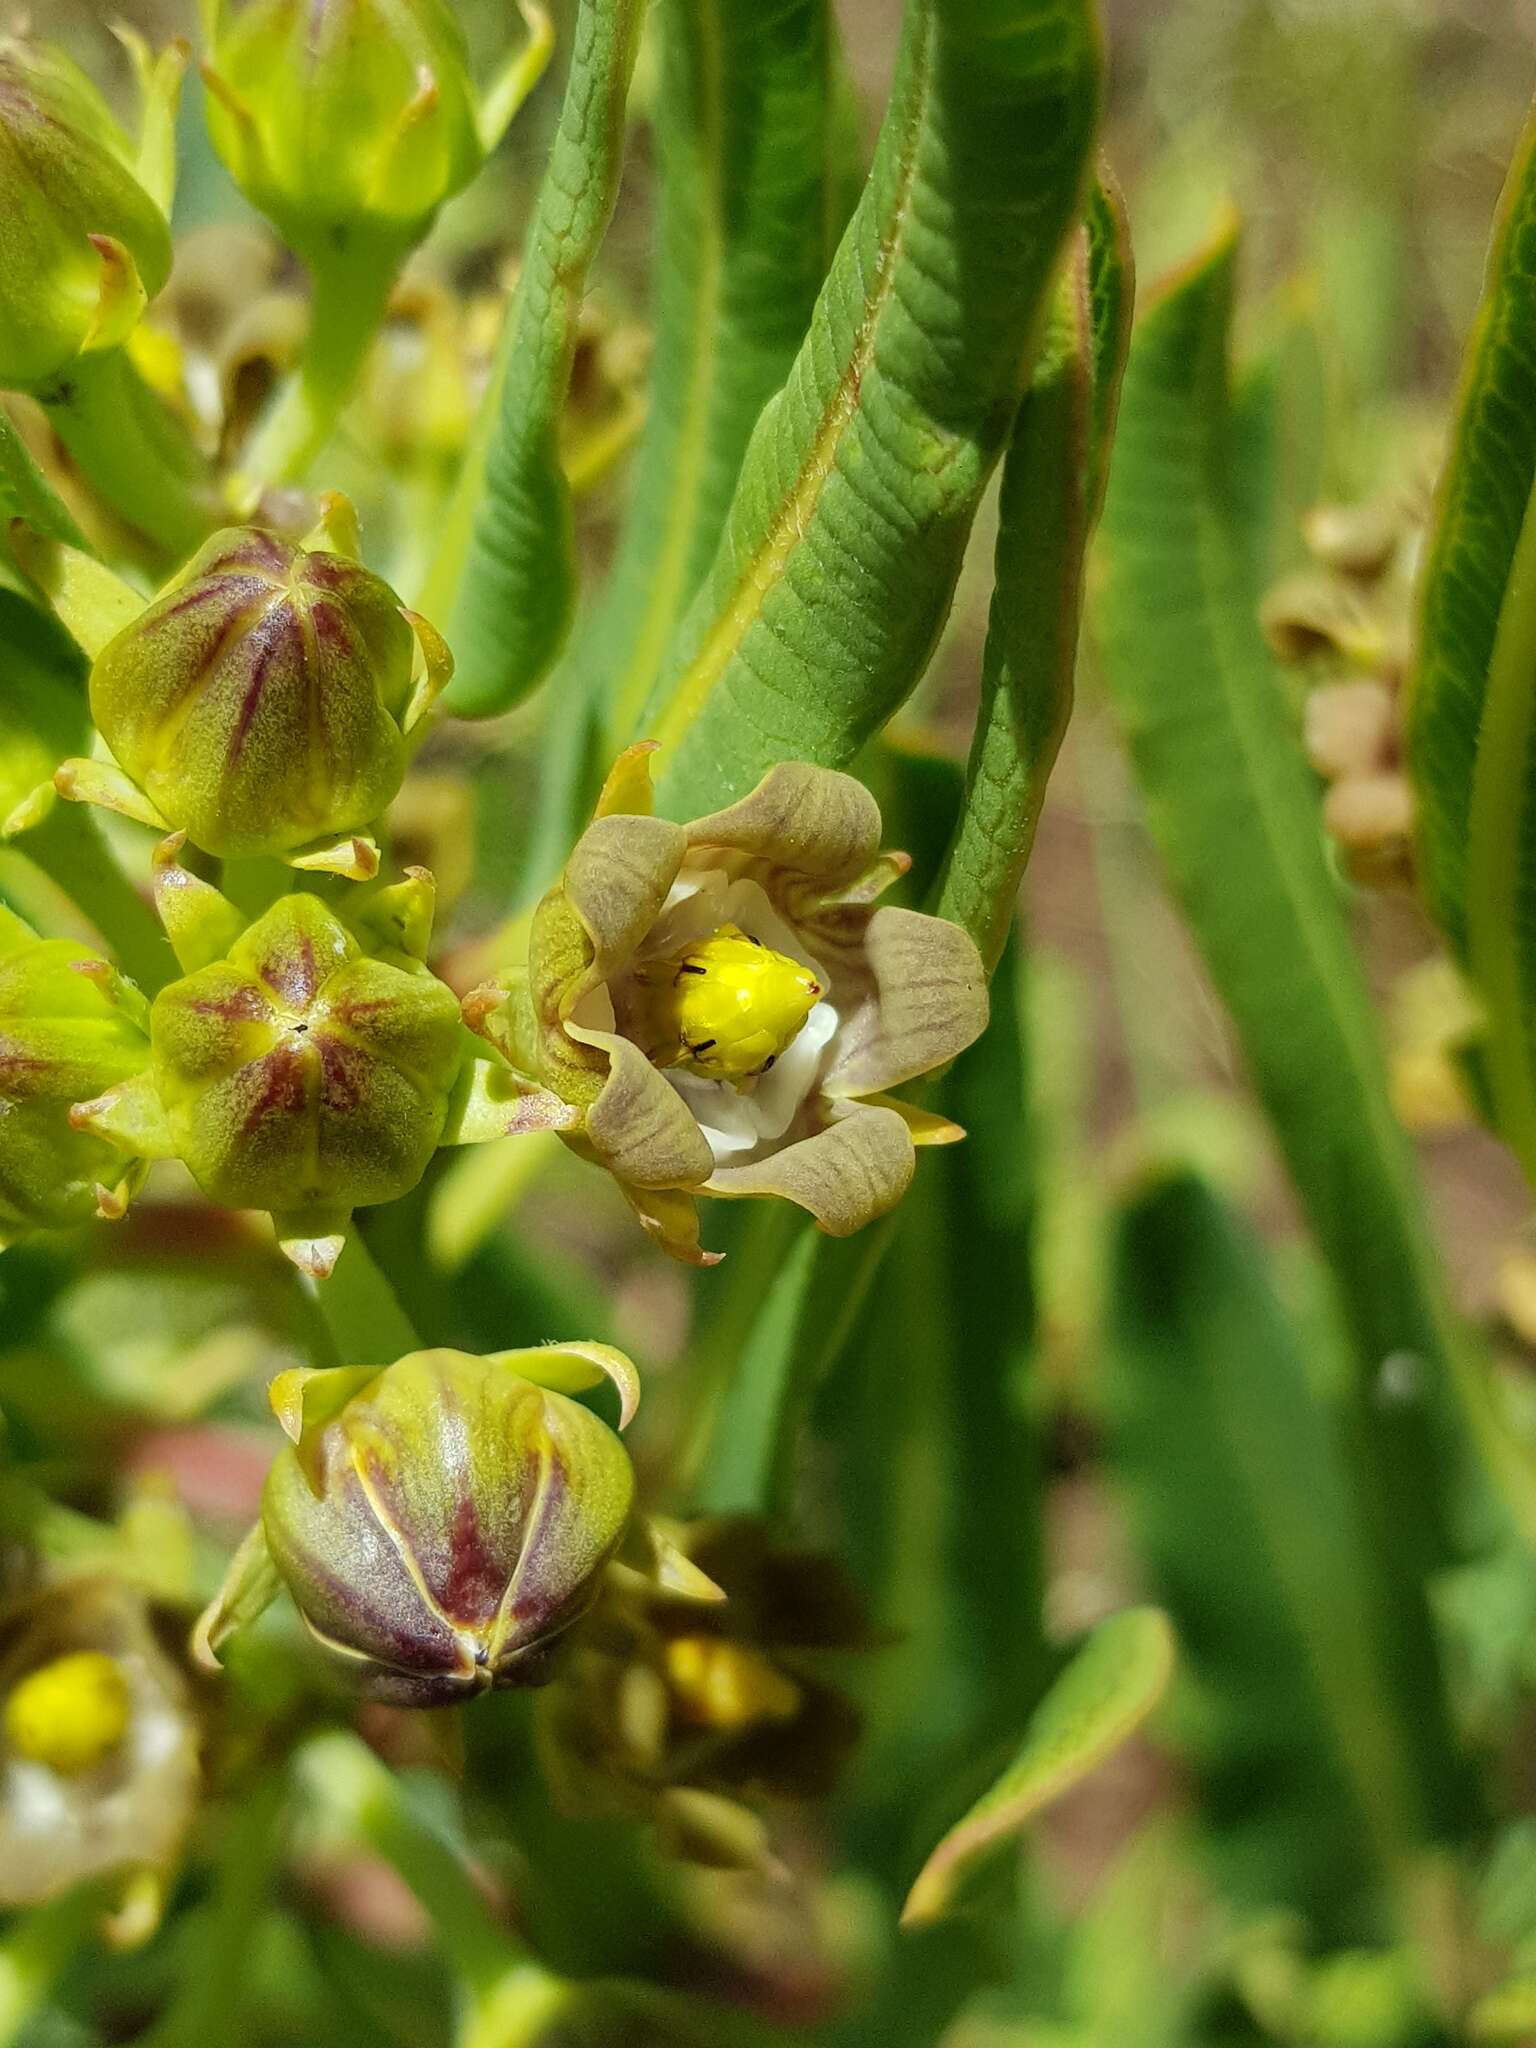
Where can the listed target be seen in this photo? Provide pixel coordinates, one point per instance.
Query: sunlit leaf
(857, 493)
(1234, 812)
(513, 587)
(750, 197)
(1100, 1700)
(1052, 488)
(1472, 723)
(25, 493)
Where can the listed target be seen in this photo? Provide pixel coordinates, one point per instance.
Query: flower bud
(261, 702)
(343, 117)
(691, 1716)
(85, 244)
(301, 1074)
(70, 1026)
(441, 1522)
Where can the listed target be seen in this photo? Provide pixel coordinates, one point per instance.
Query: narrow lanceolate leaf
(1053, 478)
(1100, 1700)
(750, 211)
(25, 493)
(1239, 1502)
(845, 534)
(1234, 812)
(1472, 700)
(517, 589)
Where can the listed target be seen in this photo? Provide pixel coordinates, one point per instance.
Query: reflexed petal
(920, 996)
(856, 1169)
(639, 1126)
(813, 823)
(617, 880)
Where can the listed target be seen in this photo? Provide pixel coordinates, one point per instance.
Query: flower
(718, 1007)
(441, 1522)
(343, 118)
(692, 1717)
(304, 1065)
(70, 1025)
(263, 702)
(98, 1746)
(86, 244)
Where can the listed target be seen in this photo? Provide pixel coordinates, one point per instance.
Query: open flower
(441, 1522)
(262, 703)
(70, 1025)
(695, 1717)
(719, 1007)
(304, 1064)
(98, 1746)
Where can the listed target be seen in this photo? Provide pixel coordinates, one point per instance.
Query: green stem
(207, 2004)
(68, 846)
(370, 1804)
(134, 453)
(37, 1951)
(352, 284)
(361, 1311)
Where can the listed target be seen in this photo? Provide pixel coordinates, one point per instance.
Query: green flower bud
(86, 246)
(300, 1075)
(261, 702)
(70, 1026)
(441, 1522)
(340, 118)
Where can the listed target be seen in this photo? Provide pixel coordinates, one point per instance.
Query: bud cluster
(1345, 624)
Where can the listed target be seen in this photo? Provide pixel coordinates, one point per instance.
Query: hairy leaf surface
(751, 198)
(845, 534)
(512, 605)
(1052, 488)
(1472, 701)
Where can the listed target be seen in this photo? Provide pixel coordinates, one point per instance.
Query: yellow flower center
(724, 1685)
(69, 1714)
(724, 1007)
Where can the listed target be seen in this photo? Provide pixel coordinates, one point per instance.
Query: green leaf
(27, 494)
(511, 606)
(1234, 812)
(1100, 1700)
(1052, 489)
(751, 194)
(1239, 1502)
(1472, 699)
(845, 534)
(800, 1322)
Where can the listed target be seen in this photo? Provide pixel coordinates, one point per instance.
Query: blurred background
(1363, 143)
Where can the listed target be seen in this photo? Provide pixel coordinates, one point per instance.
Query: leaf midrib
(788, 525)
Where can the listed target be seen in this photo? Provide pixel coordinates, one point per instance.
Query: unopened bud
(261, 702)
(85, 244)
(446, 1524)
(342, 118)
